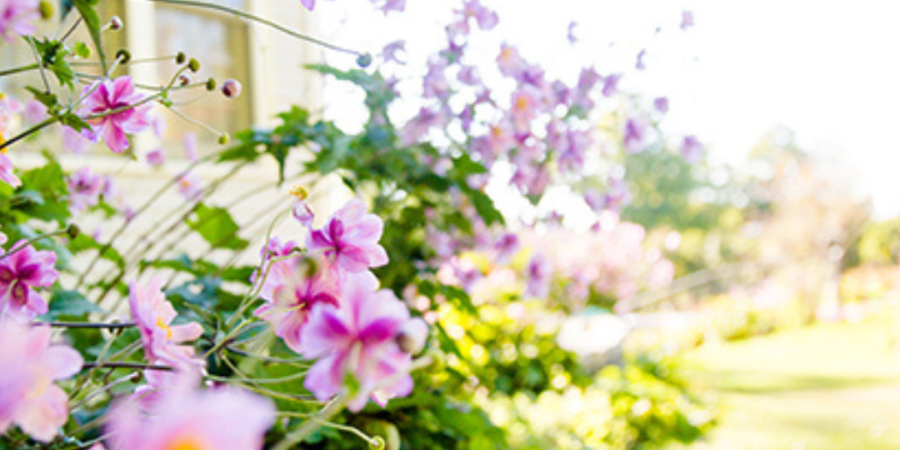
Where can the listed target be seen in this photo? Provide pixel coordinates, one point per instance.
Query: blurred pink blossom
(350, 239)
(153, 315)
(84, 188)
(110, 95)
(16, 17)
(20, 273)
(28, 396)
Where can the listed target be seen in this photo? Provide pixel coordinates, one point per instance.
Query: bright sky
(827, 70)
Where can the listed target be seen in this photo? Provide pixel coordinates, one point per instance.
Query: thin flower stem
(196, 122)
(258, 19)
(40, 63)
(71, 30)
(104, 388)
(16, 70)
(87, 325)
(271, 359)
(126, 365)
(31, 241)
(313, 424)
(47, 122)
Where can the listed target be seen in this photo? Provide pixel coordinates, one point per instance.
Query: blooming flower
(611, 85)
(358, 340)
(16, 17)
(84, 188)
(20, 273)
(111, 95)
(153, 315)
(350, 239)
(190, 186)
(187, 418)
(661, 104)
(538, 272)
(28, 396)
(472, 9)
(635, 135)
(292, 288)
(6, 170)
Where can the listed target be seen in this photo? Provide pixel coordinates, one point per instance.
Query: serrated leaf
(82, 50)
(74, 122)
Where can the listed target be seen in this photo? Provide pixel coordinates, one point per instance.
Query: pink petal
(114, 137)
(42, 417)
(62, 362)
(187, 332)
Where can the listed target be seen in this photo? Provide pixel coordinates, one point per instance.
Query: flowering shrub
(213, 352)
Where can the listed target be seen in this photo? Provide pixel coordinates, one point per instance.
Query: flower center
(162, 325)
(186, 443)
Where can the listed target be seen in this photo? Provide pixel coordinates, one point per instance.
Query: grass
(824, 387)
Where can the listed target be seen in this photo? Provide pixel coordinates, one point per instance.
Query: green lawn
(825, 387)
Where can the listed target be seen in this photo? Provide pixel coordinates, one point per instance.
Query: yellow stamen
(161, 324)
(300, 192)
(186, 443)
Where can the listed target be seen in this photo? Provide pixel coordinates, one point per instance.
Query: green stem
(47, 122)
(313, 424)
(31, 241)
(125, 365)
(258, 19)
(87, 325)
(16, 70)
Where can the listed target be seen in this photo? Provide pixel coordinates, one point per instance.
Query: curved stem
(258, 19)
(28, 242)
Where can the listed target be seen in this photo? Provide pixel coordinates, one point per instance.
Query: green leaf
(74, 122)
(484, 206)
(85, 242)
(217, 227)
(48, 99)
(69, 303)
(82, 50)
(92, 22)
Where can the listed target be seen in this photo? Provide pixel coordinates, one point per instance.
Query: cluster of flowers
(324, 303)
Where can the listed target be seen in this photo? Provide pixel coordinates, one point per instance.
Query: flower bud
(46, 9)
(180, 58)
(184, 79)
(364, 60)
(412, 336)
(194, 65)
(115, 23)
(73, 230)
(231, 88)
(224, 138)
(211, 84)
(124, 56)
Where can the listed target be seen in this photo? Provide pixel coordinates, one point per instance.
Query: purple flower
(276, 248)
(389, 53)
(611, 85)
(570, 35)
(190, 186)
(16, 17)
(691, 149)
(687, 19)
(639, 63)
(84, 188)
(156, 157)
(75, 142)
(435, 84)
(190, 146)
(393, 5)
(110, 95)
(6, 171)
(538, 273)
(485, 18)
(634, 135)
(20, 273)
(357, 340)
(350, 239)
(661, 104)
(509, 61)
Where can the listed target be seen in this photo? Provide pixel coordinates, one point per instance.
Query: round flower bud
(46, 9)
(124, 56)
(223, 139)
(194, 65)
(73, 230)
(211, 84)
(180, 58)
(231, 88)
(412, 336)
(115, 23)
(364, 60)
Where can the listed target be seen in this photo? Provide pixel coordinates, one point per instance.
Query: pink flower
(6, 170)
(509, 61)
(75, 142)
(691, 149)
(635, 135)
(309, 4)
(84, 188)
(190, 186)
(276, 248)
(485, 18)
(291, 291)
(35, 111)
(611, 85)
(539, 271)
(190, 146)
(350, 239)
(112, 95)
(28, 396)
(16, 17)
(661, 104)
(153, 315)
(156, 157)
(358, 340)
(20, 273)
(185, 417)
(393, 5)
